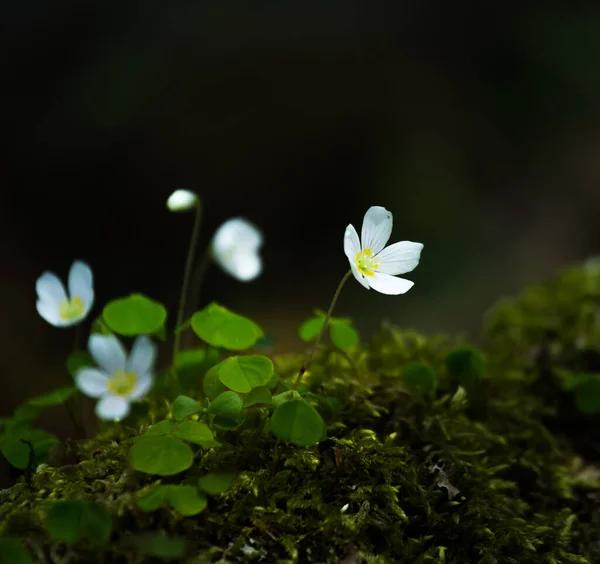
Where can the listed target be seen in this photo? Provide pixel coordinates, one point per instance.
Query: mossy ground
(496, 472)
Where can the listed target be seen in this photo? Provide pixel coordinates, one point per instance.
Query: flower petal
(236, 233)
(112, 408)
(92, 382)
(50, 289)
(351, 243)
(108, 352)
(390, 285)
(376, 229)
(81, 285)
(362, 279)
(51, 313)
(242, 264)
(399, 258)
(142, 386)
(142, 356)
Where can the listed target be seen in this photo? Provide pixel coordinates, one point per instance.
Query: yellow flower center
(71, 309)
(122, 383)
(365, 263)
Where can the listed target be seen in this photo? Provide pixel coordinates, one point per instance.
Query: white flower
(55, 306)
(119, 380)
(235, 248)
(375, 266)
(182, 201)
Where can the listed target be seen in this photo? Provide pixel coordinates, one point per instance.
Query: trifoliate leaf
(419, 375)
(587, 397)
(242, 373)
(288, 395)
(297, 422)
(134, 315)
(216, 483)
(163, 427)
(195, 432)
(227, 405)
(309, 330)
(186, 500)
(227, 423)
(212, 385)
(12, 551)
(55, 397)
(220, 327)
(160, 455)
(153, 499)
(156, 544)
(343, 335)
(15, 451)
(69, 520)
(184, 406)
(260, 395)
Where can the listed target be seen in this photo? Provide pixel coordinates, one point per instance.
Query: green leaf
(13, 552)
(212, 385)
(242, 373)
(227, 405)
(77, 360)
(343, 335)
(69, 520)
(297, 422)
(260, 395)
(288, 395)
(16, 452)
(220, 327)
(215, 484)
(186, 500)
(55, 397)
(155, 544)
(184, 406)
(134, 315)
(587, 397)
(27, 412)
(195, 432)
(227, 423)
(419, 375)
(163, 427)
(309, 330)
(152, 500)
(467, 365)
(161, 455)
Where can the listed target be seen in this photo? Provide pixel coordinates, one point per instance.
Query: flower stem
(313, 349)
(187, 273)
(197, 279)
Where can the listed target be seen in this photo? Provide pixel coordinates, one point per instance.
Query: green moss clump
(465, 472)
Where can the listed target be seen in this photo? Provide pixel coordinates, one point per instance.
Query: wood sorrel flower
(119, 380)
(375, 266)
(55, 306)
(182, 201)
(235, 247)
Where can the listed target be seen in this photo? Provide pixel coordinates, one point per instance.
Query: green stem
(313, 349)
(187, 273)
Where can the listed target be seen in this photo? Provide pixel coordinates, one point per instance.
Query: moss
(480, 474)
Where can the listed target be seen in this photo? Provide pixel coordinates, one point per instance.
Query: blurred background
(476, 124)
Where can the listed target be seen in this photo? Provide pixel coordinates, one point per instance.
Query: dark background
(476, 124)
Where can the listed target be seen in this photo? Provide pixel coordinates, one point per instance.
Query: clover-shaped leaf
(184, 406)
(220, 327)
(69, 520)
(134, 315)
(242, 373)
(163, 455)
(297, 422)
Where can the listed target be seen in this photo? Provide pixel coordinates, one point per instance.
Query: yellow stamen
(122, 383)
(71, 309)
(365, 263)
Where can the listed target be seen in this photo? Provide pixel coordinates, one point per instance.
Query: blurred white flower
(182, 201)
(375, 266)
(55, 306)
(119, 380)
(235, 247)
